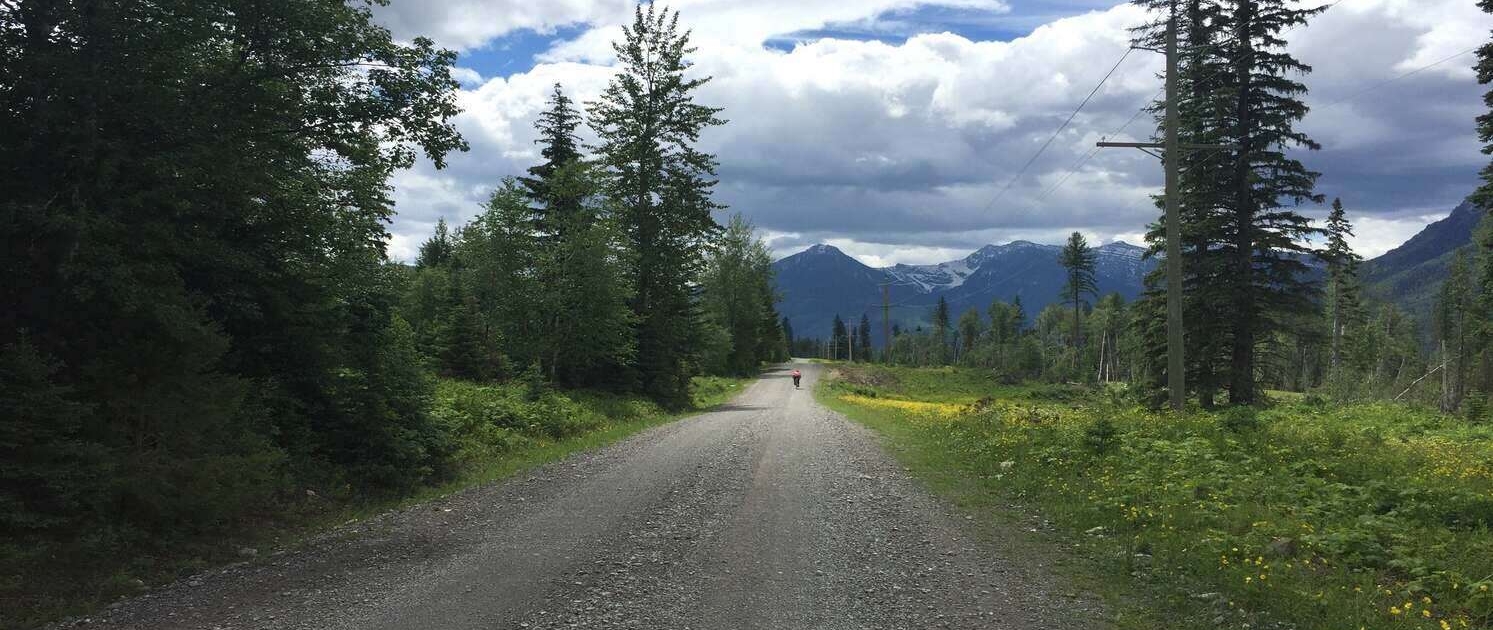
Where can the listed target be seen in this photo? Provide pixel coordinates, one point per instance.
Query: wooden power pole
(1176, 366)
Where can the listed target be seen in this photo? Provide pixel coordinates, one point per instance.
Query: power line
(1090, 155)
(1085, 159)
(1055, 134)
(1396, 78)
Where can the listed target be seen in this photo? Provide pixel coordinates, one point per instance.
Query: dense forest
(1273, 299)
(202, 323)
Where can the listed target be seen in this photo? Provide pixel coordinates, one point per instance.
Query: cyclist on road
(796, 375)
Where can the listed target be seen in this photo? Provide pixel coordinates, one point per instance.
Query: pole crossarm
(1162, 145)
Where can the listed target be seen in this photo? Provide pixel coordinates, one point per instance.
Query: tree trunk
(1242, 360)
(1448, 405)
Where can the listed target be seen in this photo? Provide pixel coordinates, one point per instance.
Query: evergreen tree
(970, 329)
(839, 338)
(787, 327)
(1018, 317)
(466, 348)
(560, 206)
(1203, 106)
(500, 251)
(941, 331)
(1481, 314)
(863, 338)
(584, 326)
(439, 250)
(1243, 245)
(1454, 306)
(1483, 197)
(1267, 272)
(1342, 279)
(648, 125)
(1000, 322)
(1079, 260)
(423, 308)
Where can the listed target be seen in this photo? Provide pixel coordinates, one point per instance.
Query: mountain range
(821, 282)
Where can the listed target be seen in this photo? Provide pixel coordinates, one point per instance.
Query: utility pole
(886, 320)
(1176, 365)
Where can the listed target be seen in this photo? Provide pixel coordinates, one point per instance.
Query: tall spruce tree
(863, 338)
(1343, 295)
(559, 205)
(838, 338)
(1079, 261)
(941, 322)
(583, 323)
(1482, 313)
(1267, 269)
(1243, 240)
(439, 249)
(648, 124)
(1484, 195)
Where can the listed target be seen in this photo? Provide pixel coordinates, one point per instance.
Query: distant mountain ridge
(821, 282)
(1411, 275)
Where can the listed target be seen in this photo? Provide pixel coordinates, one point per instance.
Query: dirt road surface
(768, 512)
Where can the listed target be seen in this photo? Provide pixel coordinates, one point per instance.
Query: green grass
(1304, 514)
(500, 431)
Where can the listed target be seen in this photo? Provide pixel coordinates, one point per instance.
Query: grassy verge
(1303, 515)
(497, 430)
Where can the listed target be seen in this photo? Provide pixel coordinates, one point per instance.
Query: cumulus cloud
(468, 24)
(897, 150)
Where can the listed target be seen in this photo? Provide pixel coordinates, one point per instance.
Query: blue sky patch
(514, 53)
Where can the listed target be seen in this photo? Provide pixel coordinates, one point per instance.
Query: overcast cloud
(890, 127)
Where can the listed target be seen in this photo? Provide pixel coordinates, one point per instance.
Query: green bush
(1239, 419)
(1101, 436)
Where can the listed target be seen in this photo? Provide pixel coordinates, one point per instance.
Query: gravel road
(769, 512)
